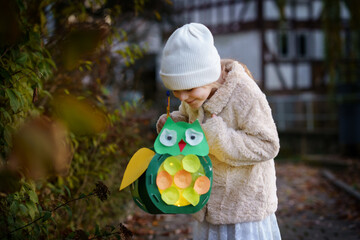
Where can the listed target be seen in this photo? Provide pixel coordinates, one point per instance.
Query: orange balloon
(163, 180)
(202, 185)
(182, 179)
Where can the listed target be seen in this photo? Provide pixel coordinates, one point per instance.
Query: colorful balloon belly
(150, 198)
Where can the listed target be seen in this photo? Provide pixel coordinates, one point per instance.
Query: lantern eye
(193, 137)
(168, 137)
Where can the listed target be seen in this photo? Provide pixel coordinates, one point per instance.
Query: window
(293, 44)
(301, 44)
(284, 44)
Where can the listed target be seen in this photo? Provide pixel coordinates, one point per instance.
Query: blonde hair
(247, 70)
(224, 72)
(215, 84)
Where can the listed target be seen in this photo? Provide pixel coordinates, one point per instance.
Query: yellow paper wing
(136, 166)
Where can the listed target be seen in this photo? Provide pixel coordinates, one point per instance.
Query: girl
(239, 128)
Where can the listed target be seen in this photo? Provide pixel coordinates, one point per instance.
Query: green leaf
(67, 190)
(53, 220)
(32, 209)
(22, 58)
(46, 216)
(8, 135)
(47, 93)
(14, 102)
(21, 5)
(51, 62)
(71, 235)
(22, 208)
(33, 196)
(4, 74)
(19, 97)
(68, 209)
(82, 195)
(10, 220)
(80, 98)
(6, 115)
(97, 230)
(14, 207)
(39, 208)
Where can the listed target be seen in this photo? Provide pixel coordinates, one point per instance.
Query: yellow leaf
(157, 15)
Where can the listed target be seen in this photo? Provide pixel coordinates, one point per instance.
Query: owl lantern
(177, 177)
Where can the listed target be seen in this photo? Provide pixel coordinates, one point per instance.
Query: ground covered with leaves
(310, 207)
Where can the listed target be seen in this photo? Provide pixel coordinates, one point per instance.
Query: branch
(4, 52)
(53, 210)
(72, 200)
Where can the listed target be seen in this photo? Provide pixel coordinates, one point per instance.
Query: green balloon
(170, 196)
(191, 196)
(191, 163)
(172, 165)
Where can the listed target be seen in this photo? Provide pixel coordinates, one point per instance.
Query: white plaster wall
(244, 47)
(272, 79)
(318, 52)
(288, 12)
(225, 15)
(271, 11)
(251, 14)
(317, 7)
(303, 72)
(302, 12)
(271, 41)
(344, 12)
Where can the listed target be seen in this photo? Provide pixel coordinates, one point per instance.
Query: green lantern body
(177, 177)
(147, 196)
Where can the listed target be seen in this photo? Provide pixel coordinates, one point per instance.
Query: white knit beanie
(190, 58)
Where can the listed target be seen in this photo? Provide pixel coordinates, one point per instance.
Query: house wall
(244, 47)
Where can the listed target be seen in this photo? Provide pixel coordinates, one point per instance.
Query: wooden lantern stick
(168, 105)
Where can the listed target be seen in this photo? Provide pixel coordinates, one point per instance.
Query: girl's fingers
(161, 123)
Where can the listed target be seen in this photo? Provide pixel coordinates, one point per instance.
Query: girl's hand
(161, 122)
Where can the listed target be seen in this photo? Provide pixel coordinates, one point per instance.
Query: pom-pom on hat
(189, 58)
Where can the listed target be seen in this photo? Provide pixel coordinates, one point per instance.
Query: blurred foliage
(337, 47)
(342, 41)
(60, 135)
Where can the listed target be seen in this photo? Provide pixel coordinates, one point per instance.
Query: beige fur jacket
(243, 141)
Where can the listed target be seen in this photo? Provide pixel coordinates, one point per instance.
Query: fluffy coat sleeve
(245, 132)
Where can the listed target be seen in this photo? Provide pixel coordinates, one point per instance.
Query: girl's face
(195, 97)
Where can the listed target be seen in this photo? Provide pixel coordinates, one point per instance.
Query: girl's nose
(182, 95)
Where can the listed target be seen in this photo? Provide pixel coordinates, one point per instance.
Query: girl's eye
(168, 137)
(193, 137)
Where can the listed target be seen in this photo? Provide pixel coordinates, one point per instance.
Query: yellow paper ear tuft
(136, 166)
